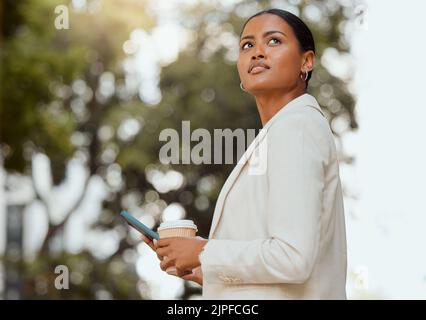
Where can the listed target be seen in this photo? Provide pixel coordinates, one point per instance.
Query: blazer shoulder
(307, 122)
(306, 118)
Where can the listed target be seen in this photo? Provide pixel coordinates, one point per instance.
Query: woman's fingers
(198, 271)
(145, 238)
(196, 275)
(166, 263)
(190, 277)
(162, 252)
(148, 241)
(183, 273)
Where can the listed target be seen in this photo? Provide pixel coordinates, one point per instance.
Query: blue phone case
(135, 223)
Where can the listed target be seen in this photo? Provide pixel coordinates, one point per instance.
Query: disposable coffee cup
(176, 228)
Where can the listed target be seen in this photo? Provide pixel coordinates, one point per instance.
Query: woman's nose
(258, 53)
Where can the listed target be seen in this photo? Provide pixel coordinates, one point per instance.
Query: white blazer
(279, 232)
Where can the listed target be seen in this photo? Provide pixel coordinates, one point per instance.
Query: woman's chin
(259, 88)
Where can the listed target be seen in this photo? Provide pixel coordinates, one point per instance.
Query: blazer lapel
(232, 178)
(303, 100)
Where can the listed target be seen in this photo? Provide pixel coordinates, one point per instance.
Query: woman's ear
(308, 61)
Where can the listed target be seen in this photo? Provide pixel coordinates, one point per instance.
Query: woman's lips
(258, 69)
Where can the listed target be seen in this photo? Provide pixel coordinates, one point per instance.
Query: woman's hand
(196, 276)
(152, 244)
(180, 252)
(148, 241)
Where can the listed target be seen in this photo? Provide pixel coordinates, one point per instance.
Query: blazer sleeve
(296, 181)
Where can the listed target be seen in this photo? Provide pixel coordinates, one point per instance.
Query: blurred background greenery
(88, 97)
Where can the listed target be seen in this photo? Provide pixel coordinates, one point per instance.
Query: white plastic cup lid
(177, 224)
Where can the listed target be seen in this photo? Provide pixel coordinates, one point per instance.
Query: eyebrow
(267, 33)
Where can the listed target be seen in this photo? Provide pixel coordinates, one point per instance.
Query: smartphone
(135, 223)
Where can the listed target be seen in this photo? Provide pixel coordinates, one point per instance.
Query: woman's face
(270, 56)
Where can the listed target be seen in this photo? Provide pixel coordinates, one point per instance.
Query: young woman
(280, 234)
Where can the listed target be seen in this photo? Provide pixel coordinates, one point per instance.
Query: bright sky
(386, 223)
(387, 236)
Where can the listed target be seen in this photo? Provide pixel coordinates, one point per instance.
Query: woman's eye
(246, 45)
(274, 41)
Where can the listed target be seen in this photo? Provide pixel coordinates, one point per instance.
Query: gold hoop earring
(305, 77)
(242, 88)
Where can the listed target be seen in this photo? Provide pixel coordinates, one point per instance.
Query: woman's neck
(270, 103)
